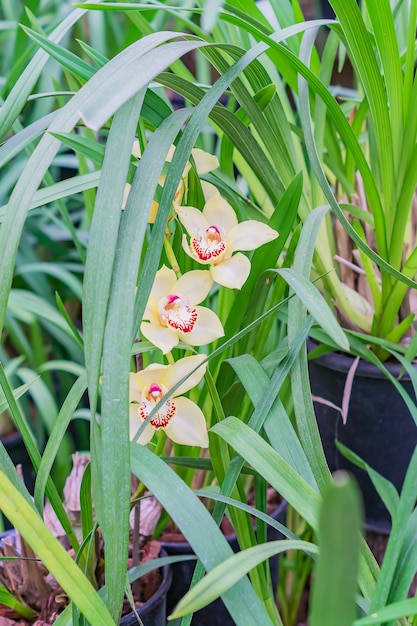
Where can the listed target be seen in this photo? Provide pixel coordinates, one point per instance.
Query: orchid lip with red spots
(181, 419)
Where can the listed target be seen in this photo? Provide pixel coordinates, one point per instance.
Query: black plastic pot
(215, 613)
(154, 611)
(379, 426)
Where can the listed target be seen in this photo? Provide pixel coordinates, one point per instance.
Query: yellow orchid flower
(215, 235)
(204, 163)
(181, 419)
(171, 314)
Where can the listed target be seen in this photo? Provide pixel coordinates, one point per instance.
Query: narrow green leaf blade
(335, 581)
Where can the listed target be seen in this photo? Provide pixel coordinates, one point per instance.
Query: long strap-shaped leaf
(198, 527)
(96, 101)
(228, 573)
(112, 488)
(53, 555)
(318, 171)
(17, 98)
(335, 581)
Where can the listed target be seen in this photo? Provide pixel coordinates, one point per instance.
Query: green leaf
(222, 577)
(271, 466)
(384, 487)
(8, 599)
(200, 530)
(316, 305)
(67, 59)
(54, 556)
(333, 598)
(392, 612)
(17, 97)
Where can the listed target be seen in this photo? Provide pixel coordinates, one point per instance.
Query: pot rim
(341, 362)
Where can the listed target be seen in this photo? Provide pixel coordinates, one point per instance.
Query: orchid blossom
(171, 314)
(215, 235)
(181, 419)
(204, 163)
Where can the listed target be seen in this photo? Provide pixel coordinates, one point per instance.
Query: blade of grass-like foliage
(55, 270)
(63, 189)
(116, 339)
(407, 563)
(103, 236)
(69, 321)
(17, 98)
(222, 577)
(211, 14)
(199, 529)
(218, 497)
(18, 393)
(256, 382)
(316, 305)
(384, 487)
(8, 599)
(65, 57)
(335, 580)
(303, 405)
(52, 553)
(30, 302)
(104, 93)
(394, 611)
(23, 138)
(359, 43)
(7, 466)
(271, 466)
(35, 456)
(396, 538)
(351, 141)
(55, 438)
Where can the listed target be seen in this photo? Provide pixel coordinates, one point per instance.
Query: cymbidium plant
(187, 260)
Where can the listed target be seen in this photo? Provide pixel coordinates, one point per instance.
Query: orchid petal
(125, 195)
(153, 211)
(209, 190)
(194, 285)
(146, 435)
(163, 284)
(192, 219)
(233, 272)
(218, 212)
(138, 381)
(188, 426)
(208, 328)
(162, 337)
(182, 368)
(135, 387)
(136, 152)
(150, 313)
(204, 161)
(249, 235)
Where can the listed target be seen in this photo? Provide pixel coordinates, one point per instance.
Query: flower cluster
(173, 313)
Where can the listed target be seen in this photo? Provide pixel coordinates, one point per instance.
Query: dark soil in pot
(214, 614)
(149, 592)
(379, 427)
